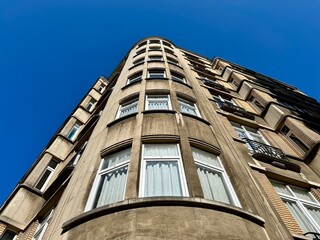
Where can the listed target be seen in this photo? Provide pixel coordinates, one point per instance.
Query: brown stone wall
(2, 228)
(316, 193)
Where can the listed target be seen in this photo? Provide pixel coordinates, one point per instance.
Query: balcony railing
(314, 235)
(271, 155)
(226, 106)
(213, 84)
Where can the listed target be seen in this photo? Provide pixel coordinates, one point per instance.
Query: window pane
(116, 159)
(213, 185)
(43, 179)
(299, 217)
(302, 194)
(162, 179)
(158, 102)
(315, 214)
(205, 157)
(160, 150)
(281, 188)
(53, 164)
(187, 108)
(111, 187)
(128, 109)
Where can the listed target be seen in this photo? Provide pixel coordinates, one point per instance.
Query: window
(154, 48)
(46, 175)
(155, 58)
(172, 61)
(256, 103)
(154, 41)
(8, 235)
(101, 88)
(294, 140)
(220, 100)
(73, 132)
(110, 182)
(302, 205)
(154, 102)
(128, 108)
(162, 171)
(166, 44)
(140, 51)
(142, 44)
(138, 61)
(90, 105)
(188, 107)
(214, 181)
(42, 227)
(235, 82)
(248, 132)
(178, 77)
(135, 78)
(168, 51)
(156, 73)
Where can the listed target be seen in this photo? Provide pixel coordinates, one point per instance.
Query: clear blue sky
(51, 52)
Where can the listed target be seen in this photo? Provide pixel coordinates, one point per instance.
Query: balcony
(213, 84)
(313, 235)
(226, 106)
(273, 155)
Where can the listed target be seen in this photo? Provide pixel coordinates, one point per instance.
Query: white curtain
(160, 150)
(205, 157)
(158, 102)
(116, 159)
(112, 186)
(299, 216)
(213, 185)
(128, 109)
(315, 214)
(162, 179)
(187, 108)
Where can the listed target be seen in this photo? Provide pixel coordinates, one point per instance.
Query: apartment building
(174, 145)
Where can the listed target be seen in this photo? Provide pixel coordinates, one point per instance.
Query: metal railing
(266, 150)
(236, 110)
(314, 235)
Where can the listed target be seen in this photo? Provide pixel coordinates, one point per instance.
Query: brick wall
(278, 204)
(2, 228)
(316, 193)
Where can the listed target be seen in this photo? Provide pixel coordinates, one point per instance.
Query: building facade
(176, 146)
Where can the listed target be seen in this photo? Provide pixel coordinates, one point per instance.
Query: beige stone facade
(174, 145)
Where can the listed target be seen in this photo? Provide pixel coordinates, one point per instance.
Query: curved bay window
(109, 184)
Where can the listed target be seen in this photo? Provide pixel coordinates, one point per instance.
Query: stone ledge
(160, 201)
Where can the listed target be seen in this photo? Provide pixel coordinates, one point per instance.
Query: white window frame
(178, 77)
(249, 134)
(137, 77)
(158, 72)
(42, 227)
(75, 130)
(126, 105)
(229, 188)
(190, 105)
(301, 203)
(90, 105)
(218, 98)
(101, 88)
(178, 159)
(292, 142)
(51, 170)
(158, 95)
(100, 174)
(173, 61)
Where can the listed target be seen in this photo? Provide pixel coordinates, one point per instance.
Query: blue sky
(51, 52)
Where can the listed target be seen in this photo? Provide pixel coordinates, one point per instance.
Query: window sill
(160, 201)
(195, 117)
(131, 84)
(183, 83)
(159, 111)
(151, 78)
(121, 119)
